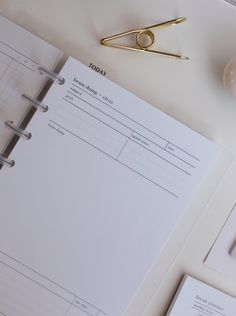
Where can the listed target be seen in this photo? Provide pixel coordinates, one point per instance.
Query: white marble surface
(190, 91)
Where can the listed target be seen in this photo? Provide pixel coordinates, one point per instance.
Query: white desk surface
(190, 91)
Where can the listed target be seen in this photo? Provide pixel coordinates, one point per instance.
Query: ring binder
(18, 131)
(37, 104)
(32, 74)
(53, 75)
(6, 161)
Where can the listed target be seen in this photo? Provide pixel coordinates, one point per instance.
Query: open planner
(96, 184)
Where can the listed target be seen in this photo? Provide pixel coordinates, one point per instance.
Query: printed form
(93, 198)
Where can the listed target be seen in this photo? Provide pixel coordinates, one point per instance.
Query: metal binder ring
(6, 161)
(37, 104)
(53, 75)
(18, 131)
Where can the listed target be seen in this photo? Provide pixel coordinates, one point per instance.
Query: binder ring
(53, 75)
(37, 104)
(18, 131)
(6, 161)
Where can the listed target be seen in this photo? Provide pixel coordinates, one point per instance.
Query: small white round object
(229, 77)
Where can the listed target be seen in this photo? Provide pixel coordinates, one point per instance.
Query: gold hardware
(141, 34)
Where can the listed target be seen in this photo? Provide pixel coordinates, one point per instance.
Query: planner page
(21, 53)
(93, 198)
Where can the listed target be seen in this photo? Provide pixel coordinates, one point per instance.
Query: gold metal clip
(145, 38)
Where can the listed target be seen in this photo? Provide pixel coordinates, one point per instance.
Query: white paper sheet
(21, 53)
(222, 256)
(97, 191)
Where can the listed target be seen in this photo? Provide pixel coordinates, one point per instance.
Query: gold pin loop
(145, 38)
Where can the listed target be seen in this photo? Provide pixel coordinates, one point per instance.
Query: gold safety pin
(141, 46)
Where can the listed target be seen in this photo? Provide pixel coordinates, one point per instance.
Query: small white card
(195, 298)
(222, 256)
(232, 251)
